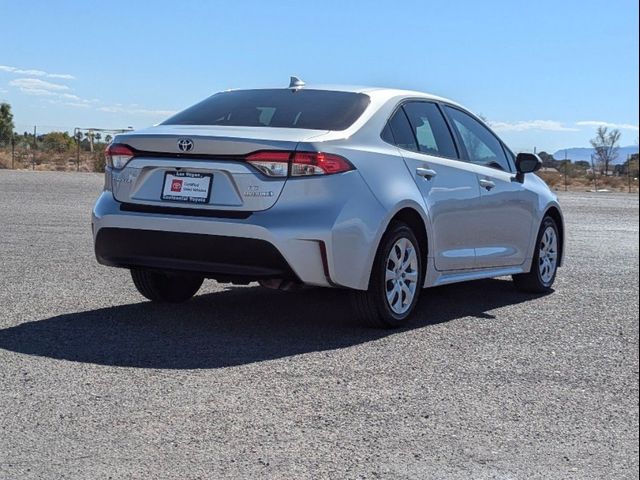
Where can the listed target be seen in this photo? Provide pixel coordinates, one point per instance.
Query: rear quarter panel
(390, 189)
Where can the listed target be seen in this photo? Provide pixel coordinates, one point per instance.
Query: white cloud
(34, 73)
(70, 96)
(135, 110)
(70, 102)
(77, 104)
(60, 94)
(35, 86)
(521, 126)
(596, 123)
(56, 93)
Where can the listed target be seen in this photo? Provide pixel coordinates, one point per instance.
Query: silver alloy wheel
(548, 257)
(401, 275)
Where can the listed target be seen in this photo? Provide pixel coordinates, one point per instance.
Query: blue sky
(544, 73)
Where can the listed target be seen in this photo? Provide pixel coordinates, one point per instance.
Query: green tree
(632, 166)
(548, 160)
(6, 124)
(59, 142)
(583, 164)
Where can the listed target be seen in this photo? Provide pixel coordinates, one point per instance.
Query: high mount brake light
(117, 155)
(298, 164)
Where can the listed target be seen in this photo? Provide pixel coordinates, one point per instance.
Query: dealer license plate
(187, 187)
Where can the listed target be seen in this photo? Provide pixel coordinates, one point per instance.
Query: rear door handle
(488, 184)
(426, 173)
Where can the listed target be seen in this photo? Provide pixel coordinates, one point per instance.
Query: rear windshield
(314, 109)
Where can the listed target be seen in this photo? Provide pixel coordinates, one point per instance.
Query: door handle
(426, 173)
(488, 184)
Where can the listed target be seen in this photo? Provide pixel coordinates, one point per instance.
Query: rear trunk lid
(212, 155)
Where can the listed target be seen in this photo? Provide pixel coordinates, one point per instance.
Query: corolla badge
(185, 144)
(254, 191)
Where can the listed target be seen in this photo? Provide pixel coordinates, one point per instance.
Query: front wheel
(166, 287)
(544, 265)
(396, 280)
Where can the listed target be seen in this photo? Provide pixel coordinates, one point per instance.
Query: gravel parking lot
(244, 382)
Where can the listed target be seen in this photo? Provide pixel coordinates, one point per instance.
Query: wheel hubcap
(401, 276)
(548, 255)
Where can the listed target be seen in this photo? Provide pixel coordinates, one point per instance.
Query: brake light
(117, 155)
(298, 164)
(318, 163)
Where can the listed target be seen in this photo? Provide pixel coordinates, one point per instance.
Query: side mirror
(527, 163)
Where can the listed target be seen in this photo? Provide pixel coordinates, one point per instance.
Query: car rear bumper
(215, 256)
(321, 232)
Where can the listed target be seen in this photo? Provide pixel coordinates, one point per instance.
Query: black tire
(371, 306)
(532, 281)
(165, 287)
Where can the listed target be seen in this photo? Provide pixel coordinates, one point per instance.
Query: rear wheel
(545, 260)
(166, 287)
(396, 280)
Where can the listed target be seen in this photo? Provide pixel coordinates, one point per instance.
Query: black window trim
(400, 106)
(511, 170)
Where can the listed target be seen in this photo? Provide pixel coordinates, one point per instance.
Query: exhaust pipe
(280, 284)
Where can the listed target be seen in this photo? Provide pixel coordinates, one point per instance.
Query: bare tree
(606, 147)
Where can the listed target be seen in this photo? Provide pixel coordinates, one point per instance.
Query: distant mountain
(576, 154)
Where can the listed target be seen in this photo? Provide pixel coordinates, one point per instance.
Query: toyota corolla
(380, 191)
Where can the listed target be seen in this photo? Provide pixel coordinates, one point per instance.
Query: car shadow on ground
(236, 326)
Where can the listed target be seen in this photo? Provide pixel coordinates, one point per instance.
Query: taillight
(275, 163)
(271, 163)
(117, 155)
(318, 163)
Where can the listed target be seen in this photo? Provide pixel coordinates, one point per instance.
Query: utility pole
(566, 166)
(629, 171)
(76, 134)
(35, 147)
(13, 150)
(593, 170)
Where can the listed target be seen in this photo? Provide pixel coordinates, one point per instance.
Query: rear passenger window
(430, 129)
(398, 131)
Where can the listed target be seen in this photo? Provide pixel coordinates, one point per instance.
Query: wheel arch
(554, 212)
(414, 220)
(409, 214)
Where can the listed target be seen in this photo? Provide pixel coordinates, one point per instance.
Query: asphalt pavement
(242, 382)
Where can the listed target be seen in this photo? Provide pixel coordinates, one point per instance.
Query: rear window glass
(285, 108)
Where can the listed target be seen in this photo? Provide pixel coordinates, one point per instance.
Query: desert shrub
(99, 161)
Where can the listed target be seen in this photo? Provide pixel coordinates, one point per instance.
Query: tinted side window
(511, 157)
(430, 129)
(398, 131)
(482, 146)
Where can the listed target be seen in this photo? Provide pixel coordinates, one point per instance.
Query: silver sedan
(380, 191)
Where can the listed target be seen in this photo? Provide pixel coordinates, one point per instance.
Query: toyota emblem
(185, 144)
